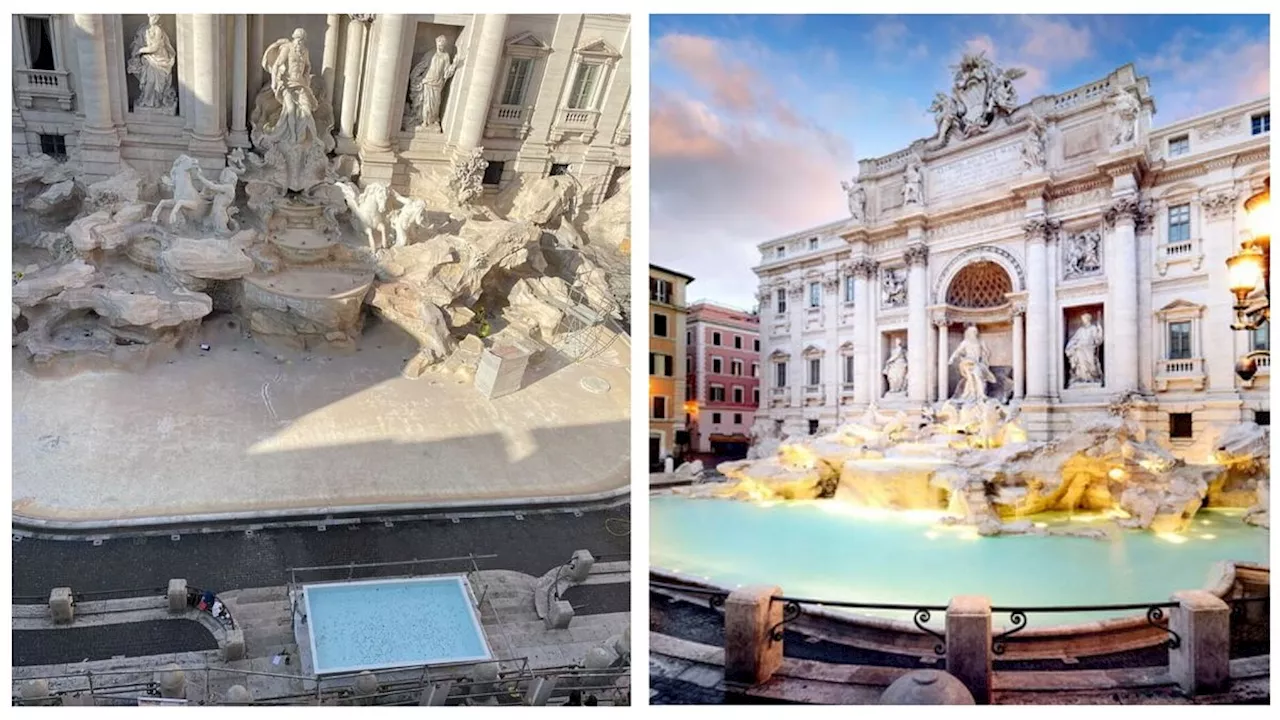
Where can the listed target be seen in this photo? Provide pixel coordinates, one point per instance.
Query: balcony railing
(1178, 249)
(50, 84)
(572, 120)
(1181, 371)
(779, 392)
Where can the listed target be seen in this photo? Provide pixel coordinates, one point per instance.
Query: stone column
(917, 256)
(944, 369)
(750, 655)
(207, 140)
(863, 271)
(1018, 349)
(1039, 343)
(380, 123)
(240, 82)
(352, 71)
(386, 86)
(1121, 313)
(329, 61)
(968, 641)
(832, 362)
(1201, 663)
(484, 73)
(99, 140)
(798, 372)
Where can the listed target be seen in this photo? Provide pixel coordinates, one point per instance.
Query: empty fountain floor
(235, 432)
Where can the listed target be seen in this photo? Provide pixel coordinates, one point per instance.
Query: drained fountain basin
(372, 624)
(832, 551)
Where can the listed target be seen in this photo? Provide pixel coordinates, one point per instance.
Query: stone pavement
(236, 431)
(220, 561)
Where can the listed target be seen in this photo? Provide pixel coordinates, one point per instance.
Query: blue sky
(756, 119)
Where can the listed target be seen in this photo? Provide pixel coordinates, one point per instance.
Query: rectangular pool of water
(373, 624)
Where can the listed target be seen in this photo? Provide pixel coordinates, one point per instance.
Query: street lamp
(1250, 269)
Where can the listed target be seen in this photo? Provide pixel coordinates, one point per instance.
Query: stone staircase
(263, 615)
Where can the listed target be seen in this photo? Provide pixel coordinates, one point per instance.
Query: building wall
(982, 204)
(529, 139)
(736, 418)
(672, 345)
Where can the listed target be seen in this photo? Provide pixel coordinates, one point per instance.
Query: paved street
(234, 560)
(103, 642)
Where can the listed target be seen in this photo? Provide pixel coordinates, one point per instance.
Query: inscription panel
(976, 171)
(1080, 140)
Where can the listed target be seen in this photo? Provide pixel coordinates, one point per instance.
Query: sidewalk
(236, 433)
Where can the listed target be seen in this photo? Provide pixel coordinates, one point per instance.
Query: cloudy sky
(756, 119)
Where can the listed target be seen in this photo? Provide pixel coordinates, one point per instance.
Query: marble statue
(857, 199)
(912, 183)
(894, 288)
(1124, 117)
(368, 210)
(466, 176)
(188, 203)
(944, 114)
(970, 359)
(427, 81)
(222, 196)
(1082, 353)
(151, 61)
(895, 368)
(411, 213)
(289, 66)
(1034, 144)
(1082, 255)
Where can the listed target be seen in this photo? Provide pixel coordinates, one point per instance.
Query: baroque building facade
(406, 95)
(1061, 253)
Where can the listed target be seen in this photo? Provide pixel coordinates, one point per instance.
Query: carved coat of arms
(980, 93)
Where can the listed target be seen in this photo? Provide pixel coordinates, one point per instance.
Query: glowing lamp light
(1116, 473)
(1258, 214)
(1244, 272)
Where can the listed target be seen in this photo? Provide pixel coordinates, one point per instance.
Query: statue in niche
(894, 288)
(857, 199)
(912, 184)
(1034, 144)
(1124, 117)
(1082, 353)
(970, 359)
(1082, 255)
(151, 61)
(427, 81)
(289, 65)
(895, 368)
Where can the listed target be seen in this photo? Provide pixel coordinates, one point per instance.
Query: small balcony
(815, 394)
(572, 121)
(35, 85)
(511, 120)
(1181, 373)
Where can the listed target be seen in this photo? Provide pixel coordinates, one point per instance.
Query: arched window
(982, 284)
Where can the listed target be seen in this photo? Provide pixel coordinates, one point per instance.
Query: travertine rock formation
(974, 462)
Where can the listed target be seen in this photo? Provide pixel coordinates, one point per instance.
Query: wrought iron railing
(920, 615)
(1155, 616)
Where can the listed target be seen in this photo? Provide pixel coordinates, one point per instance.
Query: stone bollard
(238, 695)
(484, 679)
(750, 655)
(669, 465)
(580, 566)
(540, 691)
(559, 615)
(969, 655)
(36, 692)
(233, 645)
(926, 687)
(366, 686)
(1201, 662)
(172, 682)
(62, 605)
(436, 694)
(177, 595)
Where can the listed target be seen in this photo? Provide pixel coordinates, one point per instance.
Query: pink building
(723, 371)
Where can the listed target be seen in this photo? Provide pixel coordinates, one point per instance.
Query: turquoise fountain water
(828, 550)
